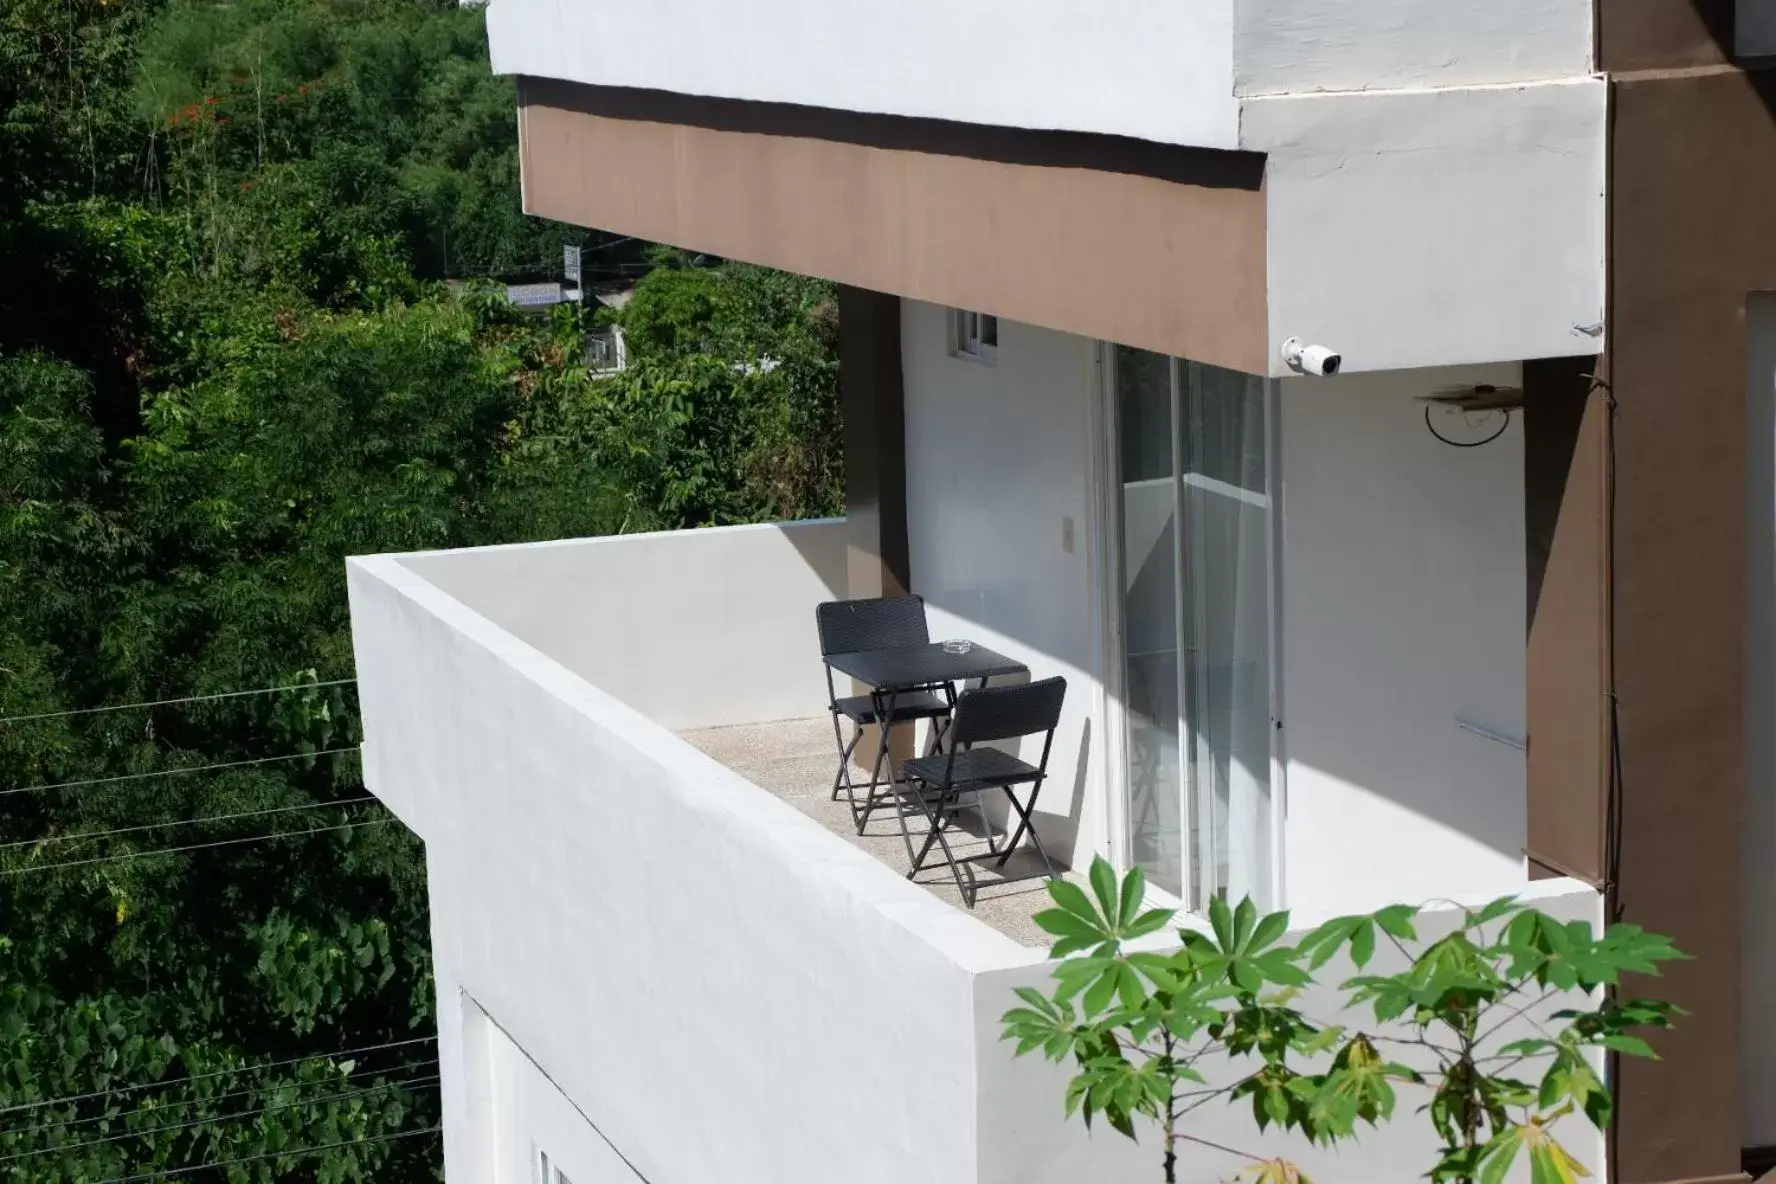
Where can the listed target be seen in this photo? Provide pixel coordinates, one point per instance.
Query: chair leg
(938, 821)
(842, 779)
(980, 808)
(869, 800)
(1026, 826)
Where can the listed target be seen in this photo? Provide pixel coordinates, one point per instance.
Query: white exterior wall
(1284, 46)
(1154, 69)
(1402, 573)
(1758, 1066)
(998, 461)
(1437, 227)
(1403, 612)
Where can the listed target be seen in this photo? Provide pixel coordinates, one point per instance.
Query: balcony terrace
(634, 872)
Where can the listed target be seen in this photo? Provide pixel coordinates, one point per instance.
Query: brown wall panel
(1693, 180)
(1566, 459)
(1664, 34)
(1149, 245)
(871, 391)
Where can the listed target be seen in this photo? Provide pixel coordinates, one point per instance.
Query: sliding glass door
(1194, 510)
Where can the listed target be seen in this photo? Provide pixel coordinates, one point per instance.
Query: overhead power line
(130, 830)
(300, 686)
(260, 760)
(291, 1153)
(218, 1119)
(70, 1099)
(68, 1124)
(287, 834)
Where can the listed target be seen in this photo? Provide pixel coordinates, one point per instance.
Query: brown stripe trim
(1007, 145)
(1144, 244)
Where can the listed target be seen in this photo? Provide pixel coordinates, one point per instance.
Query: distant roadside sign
(570, 263)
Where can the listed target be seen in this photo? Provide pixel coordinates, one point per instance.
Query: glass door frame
(1106, 482)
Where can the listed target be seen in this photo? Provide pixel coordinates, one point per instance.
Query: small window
(974, 335)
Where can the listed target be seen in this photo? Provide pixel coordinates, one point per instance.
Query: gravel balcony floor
(796, 759)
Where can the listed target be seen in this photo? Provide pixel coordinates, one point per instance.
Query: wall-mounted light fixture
(1475, 408)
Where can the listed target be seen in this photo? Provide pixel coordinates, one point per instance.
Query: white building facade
(1328, 643)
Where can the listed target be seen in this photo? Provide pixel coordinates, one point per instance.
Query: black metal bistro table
(893, 672)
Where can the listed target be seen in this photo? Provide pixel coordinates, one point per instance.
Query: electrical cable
(129, 830)
(70, 1123)
(164, 1173)
(288, 834)
(303, 686)
(1472, 443)
(215, 1120)
(261, 760)
(69, 1099)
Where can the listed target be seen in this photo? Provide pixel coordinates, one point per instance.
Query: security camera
(1311, 359)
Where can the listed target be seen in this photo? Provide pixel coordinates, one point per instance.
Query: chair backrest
(853, 626)
(1003, 713)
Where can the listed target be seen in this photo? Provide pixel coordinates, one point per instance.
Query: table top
(917, 665)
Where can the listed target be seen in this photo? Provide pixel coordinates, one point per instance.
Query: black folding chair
(940, 784)
(854, 626)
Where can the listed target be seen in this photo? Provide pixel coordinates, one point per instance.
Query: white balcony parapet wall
(729, 991)
(1154, 69)
(694, 629)
(717, 986)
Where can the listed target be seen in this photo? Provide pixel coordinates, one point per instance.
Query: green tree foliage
(729, 411)
(226, 364)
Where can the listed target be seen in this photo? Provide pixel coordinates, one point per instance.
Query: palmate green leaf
(1159, 969)
(1073, 933)
(1549, 1162)
(1073, 899)
(1129, 987)
(1245, 921)
(1075, 975)
(1103, 884)
(1362, 943)
(1102, 990)
(1397, 920)
(1062, 923)
(1221, 921)
(1323, 944)
(1504, 906)
(1269, 929)
(1321, 1041)
(1632, 1046)
(1279, 966)
(1134, 890)
(1272, 1171)
(1529, 1047)
(1358, 1086)
(1571, 1078)
(1151, 921)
